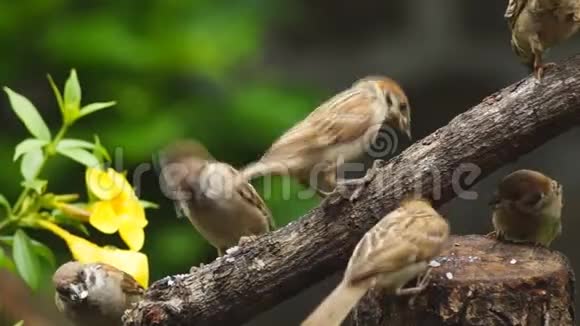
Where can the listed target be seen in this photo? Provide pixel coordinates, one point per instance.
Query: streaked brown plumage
(339, 130)
(527, 208)
(537, 25)
(94, 294)
(393, 252)
(204, 189)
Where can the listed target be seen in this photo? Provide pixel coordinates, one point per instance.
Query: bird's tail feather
(260, 169)
(334, 309)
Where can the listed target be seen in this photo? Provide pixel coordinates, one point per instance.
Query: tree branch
(259, 275)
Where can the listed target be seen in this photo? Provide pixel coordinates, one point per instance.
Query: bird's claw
(247, 239)
(194, 269)
(492, 235)
(539, 69)
(410, 291)
(364, 181)
(344, 187)
(323, 194)
(422, 282)
(358, 184)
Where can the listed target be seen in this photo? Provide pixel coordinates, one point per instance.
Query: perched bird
(223, 211)
(340, 130)
(94, 294)
(393, 252)
(527, 208)
(537, 25)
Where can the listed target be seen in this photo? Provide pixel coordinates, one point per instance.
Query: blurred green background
(176, 70)
(235, 75)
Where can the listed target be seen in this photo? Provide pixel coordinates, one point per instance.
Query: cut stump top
(480, 281)
(476, 258)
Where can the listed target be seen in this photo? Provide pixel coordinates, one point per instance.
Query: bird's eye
(403, 107)
(389, 99)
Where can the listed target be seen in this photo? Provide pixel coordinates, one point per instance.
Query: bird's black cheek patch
(532, 199)
(92, 279)
(389, 99)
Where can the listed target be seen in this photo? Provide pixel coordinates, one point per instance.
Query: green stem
(17, 208)
(60, 134)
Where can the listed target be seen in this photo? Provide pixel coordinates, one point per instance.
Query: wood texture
(481, 281)
(263, 273)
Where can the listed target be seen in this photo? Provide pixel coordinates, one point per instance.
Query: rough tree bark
(480, 281)
(261, 274)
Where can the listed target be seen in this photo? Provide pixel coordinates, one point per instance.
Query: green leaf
(74, 143)
(27, 262)
(6, 204)
(37, 185)
(43, 251)
(20, 323)
(80, 155)
(28, 114)
(93, 107)
(31, 163)
(38, 247)
(57, 94)
(5, 261)
(28, 145)
(72, 97)
(148, 204)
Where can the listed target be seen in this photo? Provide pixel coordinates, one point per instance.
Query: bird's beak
(73, 292)
(494, 200)
(408, 133)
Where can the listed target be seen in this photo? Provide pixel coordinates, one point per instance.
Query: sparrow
(94, 294)
(340, 130)
(527, 207)
(396, 250)
(224, 212)
(537, 25)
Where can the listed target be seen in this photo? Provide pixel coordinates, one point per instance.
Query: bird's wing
(513, 10)
(249, 193)
(400, 239)
(344, 118)
(128, 284)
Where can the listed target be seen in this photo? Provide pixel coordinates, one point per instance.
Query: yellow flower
(118, 208)
(84, 251)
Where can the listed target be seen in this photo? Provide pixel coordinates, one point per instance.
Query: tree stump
(480, 281)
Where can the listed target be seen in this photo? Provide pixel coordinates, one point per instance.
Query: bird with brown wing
(223, 211)
(527, 208)
(396, 250)
(340, 130)
(537, 25)
(94, 294)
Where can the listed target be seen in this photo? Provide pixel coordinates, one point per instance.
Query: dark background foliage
(235, 75)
